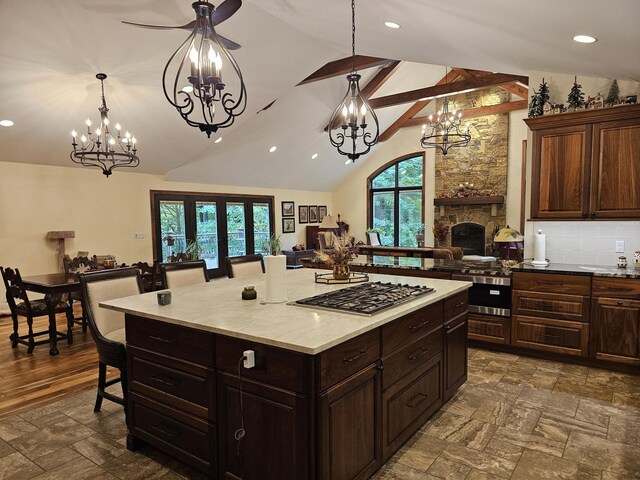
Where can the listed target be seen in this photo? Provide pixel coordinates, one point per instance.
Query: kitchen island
(332, 395)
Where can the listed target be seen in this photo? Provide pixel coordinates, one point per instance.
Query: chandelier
(192, 79)
(101, 148)
(349, 131)
(445, 132)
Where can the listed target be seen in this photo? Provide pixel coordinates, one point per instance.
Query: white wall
(589, 242)
(104, 212)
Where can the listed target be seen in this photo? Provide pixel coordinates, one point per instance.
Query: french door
(210, 226)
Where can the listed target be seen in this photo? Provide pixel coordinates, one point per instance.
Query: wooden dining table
(53, 286)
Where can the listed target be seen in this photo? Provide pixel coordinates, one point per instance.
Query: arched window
(396, 200)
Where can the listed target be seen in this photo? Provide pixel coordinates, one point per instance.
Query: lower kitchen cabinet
(276, 442)
(550, 335)
(490, 328)
(336, 415)
(615, 330)
(349, 419)
(455, 354)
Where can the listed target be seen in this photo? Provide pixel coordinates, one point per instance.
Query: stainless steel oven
(489, 295)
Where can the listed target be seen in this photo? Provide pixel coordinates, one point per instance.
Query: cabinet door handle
(419, 325)
(585, 214)
(160, 339)
(620, 302)
(170, 382)
(168, 432)
(355, 357)
(419, 354)
(420, 398)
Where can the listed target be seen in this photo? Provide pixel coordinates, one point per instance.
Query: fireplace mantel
(494, 199)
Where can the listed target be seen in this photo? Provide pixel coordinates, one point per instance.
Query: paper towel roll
(276, 278)
(539, 246)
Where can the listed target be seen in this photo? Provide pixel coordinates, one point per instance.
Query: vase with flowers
(440, 234)
(339, 254)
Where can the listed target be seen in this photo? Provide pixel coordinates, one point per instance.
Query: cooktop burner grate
(366, 298)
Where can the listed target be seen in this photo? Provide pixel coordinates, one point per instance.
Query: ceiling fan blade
(188, 26)
(230, 44)
(225, 10)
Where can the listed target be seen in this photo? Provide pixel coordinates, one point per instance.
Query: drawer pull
(556, 337)
(355, 357)
(544, 306)
(420, 398)
(620, 302)
(168, 432)
(419, 325)
(160, 339)
(421, 353)
(459, 304)
(169, 381)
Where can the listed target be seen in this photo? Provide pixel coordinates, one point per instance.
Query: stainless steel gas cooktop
(366, 298)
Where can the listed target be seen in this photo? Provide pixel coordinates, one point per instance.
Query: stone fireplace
(471, 181)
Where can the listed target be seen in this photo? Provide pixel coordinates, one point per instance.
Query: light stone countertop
(217, 307)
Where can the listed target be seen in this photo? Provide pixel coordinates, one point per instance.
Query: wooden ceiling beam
(476, 112)
(515, 88)
(427, 93)
(375, 83)
(414, 110)
(343, 67)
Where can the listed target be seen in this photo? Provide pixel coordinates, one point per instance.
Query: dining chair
(245, 265)
(107, 326)
(77, 265)
(182, 274)
(150, 275)
(20, 305)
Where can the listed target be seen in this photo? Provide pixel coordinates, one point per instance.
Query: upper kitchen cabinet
(586, 164)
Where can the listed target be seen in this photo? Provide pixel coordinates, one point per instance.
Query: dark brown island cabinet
(336, 415)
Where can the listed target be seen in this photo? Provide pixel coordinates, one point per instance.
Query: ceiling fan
(225, 10)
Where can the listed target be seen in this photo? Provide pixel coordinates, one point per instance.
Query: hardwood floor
(28, 381)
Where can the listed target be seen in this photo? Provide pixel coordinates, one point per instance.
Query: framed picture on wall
(288, 209)
(322, 212)
(313, 214)
(288, 225)
(303, 214)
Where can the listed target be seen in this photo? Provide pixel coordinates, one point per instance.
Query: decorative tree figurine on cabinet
(576, 97)
(613, 98)
(538, 100)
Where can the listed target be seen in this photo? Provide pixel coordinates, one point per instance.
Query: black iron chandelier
(349, 131)
(445, 132)
(101, 148)
(192, 79)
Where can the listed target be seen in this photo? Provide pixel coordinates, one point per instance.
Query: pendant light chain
(353, 36)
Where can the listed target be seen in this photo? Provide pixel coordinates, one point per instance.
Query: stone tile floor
(515, 418)
(521, 418)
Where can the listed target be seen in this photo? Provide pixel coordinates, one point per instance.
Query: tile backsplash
(592, 243)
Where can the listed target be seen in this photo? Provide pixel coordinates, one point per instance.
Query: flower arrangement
(340, 253)
(440, 231)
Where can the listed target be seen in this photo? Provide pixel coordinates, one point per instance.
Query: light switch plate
(619, 246)
(138, 235)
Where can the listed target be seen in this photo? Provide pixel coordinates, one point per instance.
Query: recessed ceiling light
(585, 39)
(391, 25)
(273, 149)
(218, 140)
(314, 156)
(6, 123)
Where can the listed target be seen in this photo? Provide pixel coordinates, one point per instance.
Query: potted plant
(339, 256)
(440, 233)
(194, 249)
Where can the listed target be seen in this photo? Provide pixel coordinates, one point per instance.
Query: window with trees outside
(210, 226)
(396, 200)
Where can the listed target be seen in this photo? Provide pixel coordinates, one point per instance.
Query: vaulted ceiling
(50, 51)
